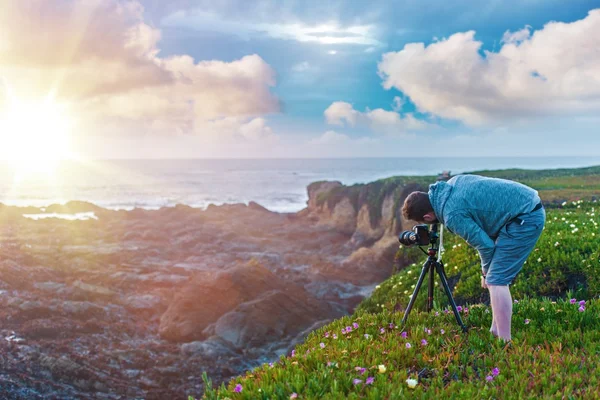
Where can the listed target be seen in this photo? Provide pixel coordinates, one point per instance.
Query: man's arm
(464, 226)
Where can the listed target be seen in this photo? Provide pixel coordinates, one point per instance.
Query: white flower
(572, 225)
(412, 383)
(382, 368)
(556, 244)
(540, 259)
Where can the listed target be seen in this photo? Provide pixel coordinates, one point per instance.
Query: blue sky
(243, 78)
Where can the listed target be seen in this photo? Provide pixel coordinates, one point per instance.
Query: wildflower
(326, 334)
(429, 331)
(442, 331)
(370, 380)
(334, 336)
(348, 329)
(367, 336)
(556, 244)
(294, 395)
(526, 322)
(382, 330)
(238, 388)
(573, 301)
(357, 381)
(355, 325)
(362, 371)
(516, 301)
(382, 368)
(423, 342)
(437, 314)
(408, 346)
(489, 378)
(582, 303)
(582, 309)
(322, 345)
(404, 335)
(446, 311)
(495, 371)
(459, 308)
(391, 326)
(294, 353)
(271, 364)
(540, 259)
(412, 383)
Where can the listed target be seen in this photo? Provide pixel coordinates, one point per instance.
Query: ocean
(277, 184)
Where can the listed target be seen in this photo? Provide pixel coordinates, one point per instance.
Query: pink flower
(429, 331)
(382, 330)
(294, 395)
(326, 334)
(238, 388)
(526, 322)
(294, 353)
(582, 309)
(322, 345)
(391, 326)
(516, 301)
(423, 342)
(362, 371)
(408, 346)
(442, 331)
(404, 335)
(357, 381)
(366, 335)
(348, 329)
(370, 380)
(334, 336)
(355, 325)
(489, 378)
(343, 331)
(573, 301)
(495, 371)
(459, 308)
(437, 314)
(582, 303)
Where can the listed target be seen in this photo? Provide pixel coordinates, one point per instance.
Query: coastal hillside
(556, 319)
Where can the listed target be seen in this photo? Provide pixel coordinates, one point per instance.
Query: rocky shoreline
(138, 304)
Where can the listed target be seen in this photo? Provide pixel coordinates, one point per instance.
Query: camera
(419, 235)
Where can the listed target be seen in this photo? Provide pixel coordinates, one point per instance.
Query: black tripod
(432, 265)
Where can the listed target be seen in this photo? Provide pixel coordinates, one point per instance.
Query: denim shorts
(513, 245)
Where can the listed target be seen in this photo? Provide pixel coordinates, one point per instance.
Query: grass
(555, 351)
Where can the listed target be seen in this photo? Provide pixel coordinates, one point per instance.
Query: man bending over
(502, 219)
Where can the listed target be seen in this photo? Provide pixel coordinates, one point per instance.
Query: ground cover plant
(555, 350)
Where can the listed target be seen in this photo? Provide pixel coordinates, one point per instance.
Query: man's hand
(483, 284)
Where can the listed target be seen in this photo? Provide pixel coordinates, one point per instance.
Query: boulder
(210, 295)
(274, 316)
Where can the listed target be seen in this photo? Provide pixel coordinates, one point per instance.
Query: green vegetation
(555, 351)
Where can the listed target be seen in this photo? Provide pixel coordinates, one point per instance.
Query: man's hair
(416, 205)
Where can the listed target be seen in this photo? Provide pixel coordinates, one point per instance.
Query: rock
(271, 317)
(214, 347)
(86, 291)
(142, 302)
(209, 296)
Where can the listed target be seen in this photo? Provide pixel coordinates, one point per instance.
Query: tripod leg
(430, 288)
(442, 274)
(416, 291)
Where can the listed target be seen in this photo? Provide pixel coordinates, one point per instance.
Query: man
(501, 219)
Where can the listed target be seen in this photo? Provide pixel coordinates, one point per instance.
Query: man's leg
(501, 311)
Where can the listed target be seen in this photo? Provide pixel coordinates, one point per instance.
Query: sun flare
(34, 136)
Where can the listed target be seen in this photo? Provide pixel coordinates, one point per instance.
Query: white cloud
(103, 59)
(380, 120)
(330, 137)
(325, 33)
(550, 72)
(341, 112)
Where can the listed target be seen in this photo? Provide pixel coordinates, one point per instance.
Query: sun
(34, 136)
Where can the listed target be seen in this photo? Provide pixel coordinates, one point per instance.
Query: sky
(304, 78)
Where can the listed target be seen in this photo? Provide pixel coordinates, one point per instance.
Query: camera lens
(408, 238)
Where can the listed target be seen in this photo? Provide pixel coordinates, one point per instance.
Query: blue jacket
(476, 208)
